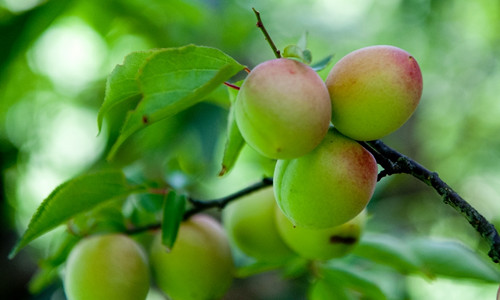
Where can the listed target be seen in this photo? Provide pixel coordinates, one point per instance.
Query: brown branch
(200, 205)
(266, 34)
(394, 162)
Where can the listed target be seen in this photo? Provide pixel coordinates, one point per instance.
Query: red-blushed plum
(321, 244)
(103, 267)
(327, 187)
(374, 91)
(283, 109)
(251, 226)
(199, 265)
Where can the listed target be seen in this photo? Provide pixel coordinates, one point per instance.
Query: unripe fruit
(251, 226)
(199, 266)
(321, 244)
(283, 109)
(328, 186)
(374, 91)
(110, 266)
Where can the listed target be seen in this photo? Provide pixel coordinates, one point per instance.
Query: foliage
(163, 123)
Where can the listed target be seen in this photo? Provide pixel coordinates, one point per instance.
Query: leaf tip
(223, 170)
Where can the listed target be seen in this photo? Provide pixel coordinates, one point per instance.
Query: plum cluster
(114, 266)
(323, 181)
(324, 178)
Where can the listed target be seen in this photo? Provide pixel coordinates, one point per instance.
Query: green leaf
(388, 250)
(234, 144)
(122, 86)
(339, 273)
(322, 64)
(73, 197)
(256, 267)
(293, 51)
(302, 43)
(324, 288)
(307, 56)
(173, 212)
(451, 259)
(172, 80)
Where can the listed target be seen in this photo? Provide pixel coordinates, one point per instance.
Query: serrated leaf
(71, 198)
(172, 80)
(173, 212)
(388, 250)
(452, 259)
(122, 86)
(338, 273)
(322, 64)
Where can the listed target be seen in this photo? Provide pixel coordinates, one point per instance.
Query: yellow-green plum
(199, 265)
(374, 91)
(321, 244)
(251, 226)
(110, 266)
(283, 109)
(327, 187)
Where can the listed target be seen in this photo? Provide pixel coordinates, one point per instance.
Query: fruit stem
(260, 24)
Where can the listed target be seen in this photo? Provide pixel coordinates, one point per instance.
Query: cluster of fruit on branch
(323, 180)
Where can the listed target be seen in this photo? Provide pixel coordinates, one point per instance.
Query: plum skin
(199, 265)
(109, 266)
(251, 226)
(374, 91)
(328, 186)
(283, 109)
(321, 244)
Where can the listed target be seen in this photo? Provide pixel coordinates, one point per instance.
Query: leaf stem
(260, 24)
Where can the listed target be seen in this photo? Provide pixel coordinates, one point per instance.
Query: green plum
(283, 109)
(321, 244)
(251, 226)
(199, 266)
(110, 266)
(374, 91)
(328, 186)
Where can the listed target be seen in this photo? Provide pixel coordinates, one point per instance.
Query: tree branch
(394, 162)
(266, 34)
(200, 205)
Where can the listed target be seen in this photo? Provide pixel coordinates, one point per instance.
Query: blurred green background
(55, 56)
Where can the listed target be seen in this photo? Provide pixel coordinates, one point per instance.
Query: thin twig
(394, 162)
(200, 205)
(260, 24)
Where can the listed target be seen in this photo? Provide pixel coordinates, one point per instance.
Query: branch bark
(394, 162)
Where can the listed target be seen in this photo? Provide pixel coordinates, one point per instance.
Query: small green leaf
(293, 51)
(122, 87)
(44, 277)
(256, 267)
(307, 56)
(302, 43)
(172, 80)
(234, 144)
(173, 212)
(324, 288)
(322, 64)
(388, 250)
(339, 273)
(451, 259)
(73, 197)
